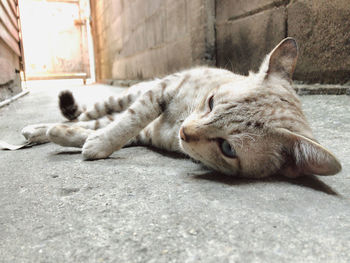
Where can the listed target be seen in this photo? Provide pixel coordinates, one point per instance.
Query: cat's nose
(189, 134)
(182, 134)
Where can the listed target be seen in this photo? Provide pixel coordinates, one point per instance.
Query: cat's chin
(186, 148)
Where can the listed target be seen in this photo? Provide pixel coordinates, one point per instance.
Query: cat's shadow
(309, 181)
(73, 152)
(173, 155)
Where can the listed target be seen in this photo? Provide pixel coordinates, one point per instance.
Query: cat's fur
(250, 126)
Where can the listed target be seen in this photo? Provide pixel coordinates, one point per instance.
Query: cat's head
(254, 126)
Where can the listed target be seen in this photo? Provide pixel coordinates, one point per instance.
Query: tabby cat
(248, 126)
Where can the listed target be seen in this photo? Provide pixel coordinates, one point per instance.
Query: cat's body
(248, 126)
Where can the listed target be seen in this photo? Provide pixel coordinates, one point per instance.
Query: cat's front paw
(97, 146)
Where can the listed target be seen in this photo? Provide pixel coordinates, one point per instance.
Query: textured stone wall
(248, 29)
(322, 29)
(140, 39)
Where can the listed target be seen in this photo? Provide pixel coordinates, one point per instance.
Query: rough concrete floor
(142, 205)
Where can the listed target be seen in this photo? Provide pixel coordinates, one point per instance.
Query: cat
(247, 126)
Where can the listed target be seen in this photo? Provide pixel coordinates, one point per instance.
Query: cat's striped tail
(68, 106)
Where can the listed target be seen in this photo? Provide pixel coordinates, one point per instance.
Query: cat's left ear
(305, 156)
(282, 60)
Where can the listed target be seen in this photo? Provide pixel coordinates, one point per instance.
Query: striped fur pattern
(249, 126)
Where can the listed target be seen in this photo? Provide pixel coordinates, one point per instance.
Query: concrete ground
(143, 205)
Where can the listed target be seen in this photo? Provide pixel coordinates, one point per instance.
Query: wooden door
(55, 38)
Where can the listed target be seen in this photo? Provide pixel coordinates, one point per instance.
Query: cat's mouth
(188, 147)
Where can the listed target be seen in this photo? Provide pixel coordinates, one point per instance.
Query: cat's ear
(282, 60)
(305, 156)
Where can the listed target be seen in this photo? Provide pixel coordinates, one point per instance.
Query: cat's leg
(63, 134)
(70, 109)
(36, 133)
(75, 134)
(68, 136)
(132, 121)
(118, 103)
(114, 104)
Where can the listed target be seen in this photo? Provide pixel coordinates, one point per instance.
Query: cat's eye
(211, 103)
(226, 149)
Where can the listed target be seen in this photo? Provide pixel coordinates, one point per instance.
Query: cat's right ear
(282, 60)
(305, 156)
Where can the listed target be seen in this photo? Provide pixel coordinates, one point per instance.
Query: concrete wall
(140, 39)
(323, 30)
(248, 29)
